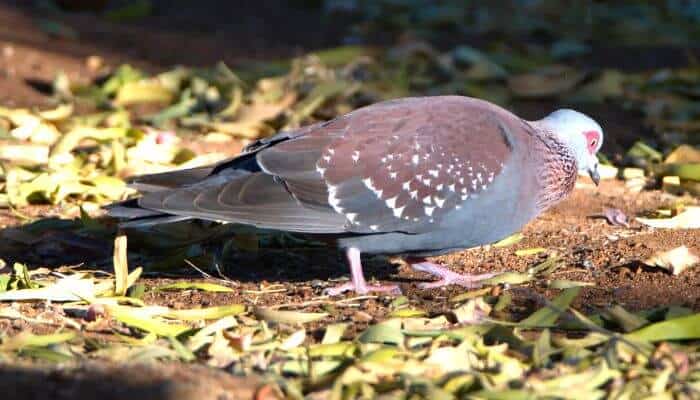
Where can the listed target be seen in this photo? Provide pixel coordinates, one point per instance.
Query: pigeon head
(582, 134)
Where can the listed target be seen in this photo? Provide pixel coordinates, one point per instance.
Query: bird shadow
(179, 249)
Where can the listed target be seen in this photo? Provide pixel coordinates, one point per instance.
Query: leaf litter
(477, 349)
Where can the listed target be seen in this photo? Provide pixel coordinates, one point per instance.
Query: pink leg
(358, 282)
(447, 277)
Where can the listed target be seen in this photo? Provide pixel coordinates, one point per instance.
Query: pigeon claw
(449, 277)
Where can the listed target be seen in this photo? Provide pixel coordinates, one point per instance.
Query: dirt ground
(595, 251)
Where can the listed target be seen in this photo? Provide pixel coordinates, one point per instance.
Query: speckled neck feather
(558, 172)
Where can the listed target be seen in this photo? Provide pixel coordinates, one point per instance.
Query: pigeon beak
(595, 176)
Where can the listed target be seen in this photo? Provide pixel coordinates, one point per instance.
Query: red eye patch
(593, 140)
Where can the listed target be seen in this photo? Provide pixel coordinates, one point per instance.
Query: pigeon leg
(358, 282)
(447, 277)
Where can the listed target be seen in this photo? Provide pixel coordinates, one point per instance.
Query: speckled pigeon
(414, 177)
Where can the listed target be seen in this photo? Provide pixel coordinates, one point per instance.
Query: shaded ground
(594, 251)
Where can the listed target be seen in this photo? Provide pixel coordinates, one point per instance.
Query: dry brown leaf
(683, 154)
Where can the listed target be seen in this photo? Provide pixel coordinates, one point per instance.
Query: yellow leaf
(121, 269)
(146, 91)
(197, 314)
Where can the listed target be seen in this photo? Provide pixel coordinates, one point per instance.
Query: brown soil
(594, 251)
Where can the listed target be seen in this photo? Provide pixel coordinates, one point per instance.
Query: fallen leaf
(530, 251)
(675, 261)
(121, 269)
(473, 312)
(287, 317)
(683, 154)
(688, 219)
(204, 286)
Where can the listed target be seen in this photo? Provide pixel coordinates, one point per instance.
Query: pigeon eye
(592, 139)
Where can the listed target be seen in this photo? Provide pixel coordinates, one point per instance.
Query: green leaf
(407, 313)
(197, 314)
(183, 352)
(177, 110)
(625, 319)
(567, 284)
(124, 74)
(45, 354)
(542, 349)
(130, 316)
(512, 278)
(388, 332)
(147, 91)
(546, 267)
(287, 317)
(25, 339)
(510, 240)
(472, 294)
(4, 282)
(22, 276)
(204, 286)
(334, 332)
(547, 316)
(641, 150)
(682, 328)
(529, 252)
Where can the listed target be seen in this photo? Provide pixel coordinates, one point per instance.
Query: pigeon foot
(447, 276)
(358, 284)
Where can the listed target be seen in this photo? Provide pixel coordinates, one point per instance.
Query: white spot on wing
(427, 200)
(439, 202)
(434, 172)
(374, 227)
(351, 216)
(415, 159)
(391, 203)
(406, 185)
(398, 211)
(429, 210)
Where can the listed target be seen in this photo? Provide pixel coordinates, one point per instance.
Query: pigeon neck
(558, 169)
